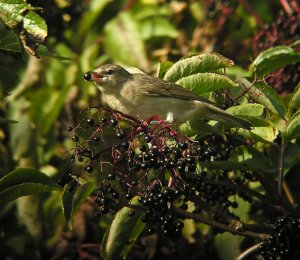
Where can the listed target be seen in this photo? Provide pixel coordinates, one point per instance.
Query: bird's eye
(110, 72)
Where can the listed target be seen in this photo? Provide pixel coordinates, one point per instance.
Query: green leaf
(251, 158)
(292, 129)
(197, 64)
(123, 41)
(35, 25)
(122, 234)
(202, 83)
(9, 41)
(251, 112)
(71, 201)
(268, 97)
(7, 121)
(12, 12)
(294, 103)
(67, 205)
(273, 59)
(157, 27)
(25, 181)
(82, 193)
(95, 9)
(163, 68)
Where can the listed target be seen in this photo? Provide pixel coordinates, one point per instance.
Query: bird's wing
(152, 86)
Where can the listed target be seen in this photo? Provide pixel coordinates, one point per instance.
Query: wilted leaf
(197, 64)
(24, 181)
(273, 59)
(202, 83)
(35, 26)
(122, 234)
(123, 41)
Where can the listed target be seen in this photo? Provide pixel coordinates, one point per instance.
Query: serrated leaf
(25, 181)
(250, 112)
(273, 59)
(71, 201)
(197, 64)
(123, 41)
(292, 129)
(163, 68)
(268, 97)
(202, 83)
(122, 234)
(294, 103)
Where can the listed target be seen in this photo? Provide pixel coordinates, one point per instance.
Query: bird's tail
(224, 117)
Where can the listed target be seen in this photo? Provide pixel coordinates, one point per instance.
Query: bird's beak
(93, 76)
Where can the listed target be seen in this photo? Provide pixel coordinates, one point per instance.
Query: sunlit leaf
(273, 59)
(197, 64)
(163, 68)
(202, 83)
(251, 112)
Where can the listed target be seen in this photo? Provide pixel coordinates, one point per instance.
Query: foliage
(74, 171)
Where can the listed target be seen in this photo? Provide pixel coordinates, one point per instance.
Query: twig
(251, 250)
(286, 6)
(281, 168)
(288, 193)
(216, 224)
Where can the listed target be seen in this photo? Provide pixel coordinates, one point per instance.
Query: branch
(213, 223)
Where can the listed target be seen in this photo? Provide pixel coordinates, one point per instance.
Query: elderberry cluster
(283, 31)
(284, 241)
(150, 160)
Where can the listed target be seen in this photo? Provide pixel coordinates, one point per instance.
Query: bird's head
(108, 77)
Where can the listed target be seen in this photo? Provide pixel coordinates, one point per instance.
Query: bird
(142, 95)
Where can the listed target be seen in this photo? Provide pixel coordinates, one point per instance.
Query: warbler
(139, 94)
